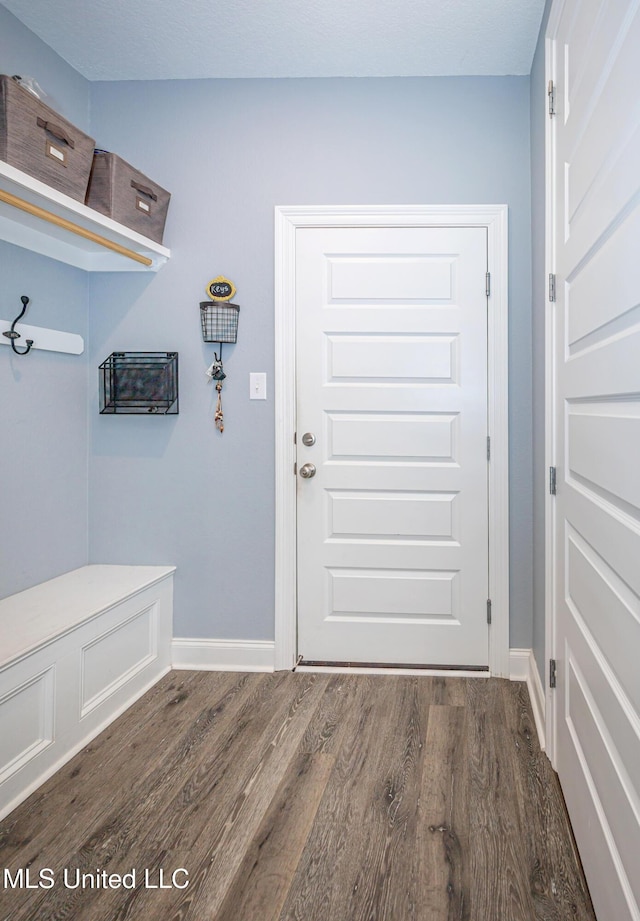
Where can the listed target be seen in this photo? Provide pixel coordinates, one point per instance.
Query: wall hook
(215, 371)
(13, 335)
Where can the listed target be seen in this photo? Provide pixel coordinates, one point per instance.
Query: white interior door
(392, 529)
(594, 53)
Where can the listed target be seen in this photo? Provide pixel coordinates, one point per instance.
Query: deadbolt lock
(308, 439)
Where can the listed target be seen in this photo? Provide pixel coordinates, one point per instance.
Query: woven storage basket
(42, 143)
(219, 321)
(127, 195)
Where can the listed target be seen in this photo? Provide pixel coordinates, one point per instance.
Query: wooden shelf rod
(71, 227)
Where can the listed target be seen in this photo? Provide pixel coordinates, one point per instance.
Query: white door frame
(288, 219)
(550, 398)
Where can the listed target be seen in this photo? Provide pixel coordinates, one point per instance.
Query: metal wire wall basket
(219, 321)
(139, 382)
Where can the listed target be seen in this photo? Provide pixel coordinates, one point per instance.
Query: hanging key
(215, 371)
(219, 416)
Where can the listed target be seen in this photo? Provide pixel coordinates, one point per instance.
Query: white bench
(75, 652)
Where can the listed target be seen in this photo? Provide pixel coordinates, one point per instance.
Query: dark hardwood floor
(311, 797)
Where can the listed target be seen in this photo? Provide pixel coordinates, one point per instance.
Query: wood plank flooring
(301, 797)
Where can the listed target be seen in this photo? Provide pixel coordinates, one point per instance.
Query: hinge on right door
(552, 288)
(488, 610)
(553, 481)
(553, 673)
(551, 93)
(487, 284)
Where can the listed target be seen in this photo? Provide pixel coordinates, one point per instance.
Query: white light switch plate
(257, 385)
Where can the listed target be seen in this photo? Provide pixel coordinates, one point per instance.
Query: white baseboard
(223, 655)
(523, 667)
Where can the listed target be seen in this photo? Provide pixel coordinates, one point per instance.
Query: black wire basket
(219, 321)
(134, 383)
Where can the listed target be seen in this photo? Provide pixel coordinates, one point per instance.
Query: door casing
(549, 411)
(288, 221)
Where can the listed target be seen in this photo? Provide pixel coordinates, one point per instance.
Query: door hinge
(488, 610)
(295, 438)
(295, 469)
(552, 287)
(488, 447)
(553, 673)
(551, 93)
(552, 481)
(487, 284)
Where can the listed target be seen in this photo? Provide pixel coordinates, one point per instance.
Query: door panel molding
(288, 219)
(592, 412)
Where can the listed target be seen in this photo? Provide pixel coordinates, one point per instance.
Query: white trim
(497, 375)
(82, 605)
(287, 222)
(550, 390)
(68, 754)
(222, 655)
(523, 667)
(286, 639)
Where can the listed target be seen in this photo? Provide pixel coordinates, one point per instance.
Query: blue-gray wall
(43, 407)
(174, 490)
(539, 116)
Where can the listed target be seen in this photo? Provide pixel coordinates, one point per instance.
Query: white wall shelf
(61, 234)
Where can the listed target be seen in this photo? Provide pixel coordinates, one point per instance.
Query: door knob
(307, 471)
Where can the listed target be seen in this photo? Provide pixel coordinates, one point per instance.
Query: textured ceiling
(169, 39)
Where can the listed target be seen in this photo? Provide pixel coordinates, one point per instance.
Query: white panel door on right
(392, 385)
(596, 130)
